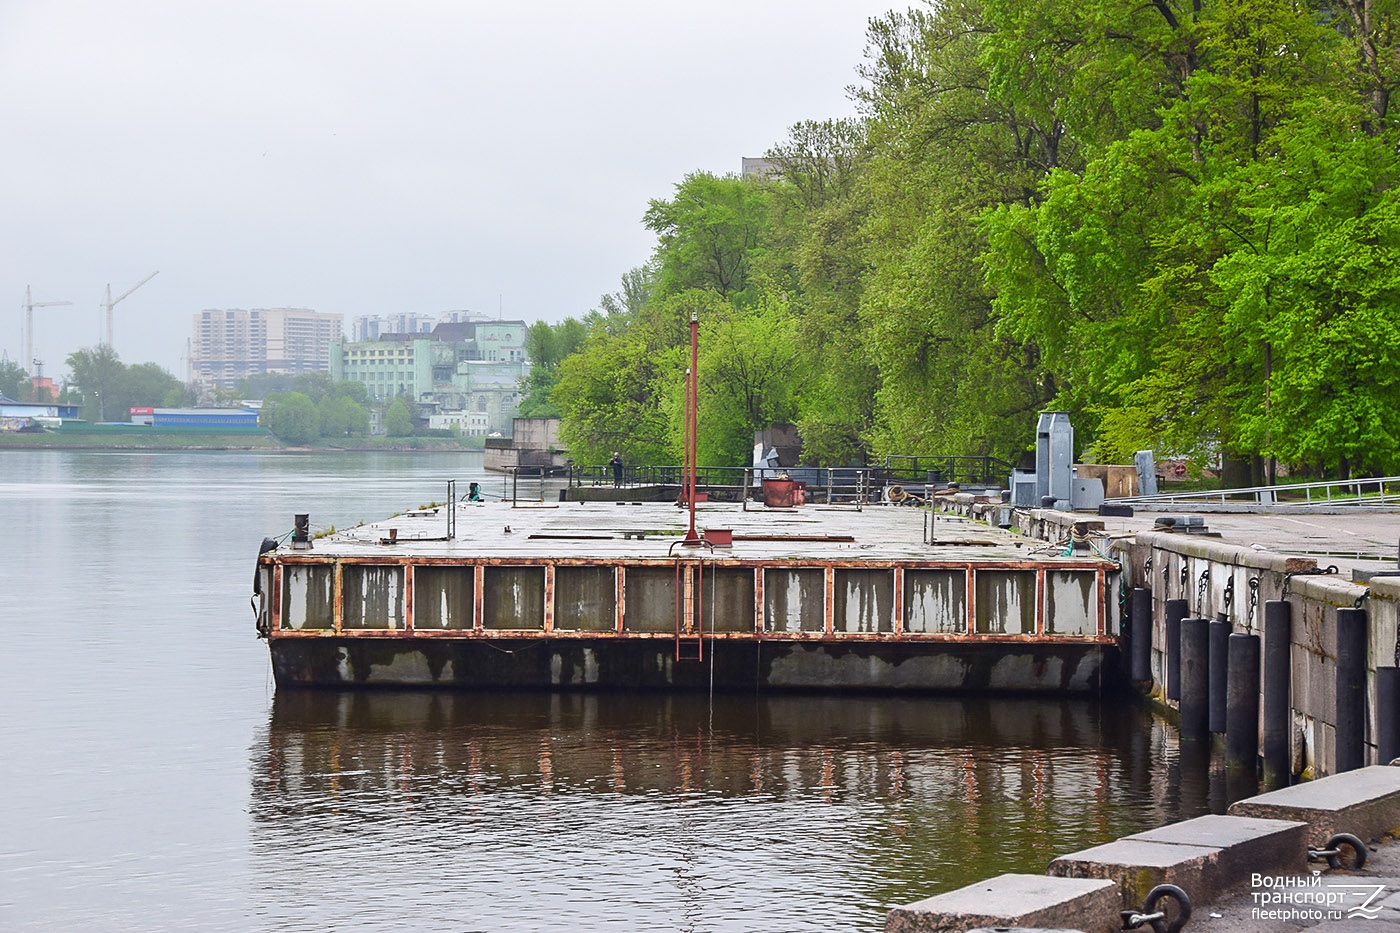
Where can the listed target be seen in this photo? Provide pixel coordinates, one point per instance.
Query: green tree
(263, 385)
(748, 377)
(1309, 304)
(398, 422)
(330, 418)
(821, 207)
(943, 152)
(710, 235)
(1150, 280)
(292, 417)
(99, 372)
(315, 385)
(633, 294)
(547, 345)
(147, 385)
(14, 381)
(353, 390)
(339, 416)
(110, 388)
(610, 394)
(1173, 220)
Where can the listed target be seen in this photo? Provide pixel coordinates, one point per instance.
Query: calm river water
(154, 780)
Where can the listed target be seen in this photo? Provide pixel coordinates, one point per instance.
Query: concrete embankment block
(1246, 845)
(1364, 802)
(1014, 900)
(1136, 867)
(1206, 857)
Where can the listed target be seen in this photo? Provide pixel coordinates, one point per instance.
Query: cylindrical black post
(1140, 648)
(1278, 676)
(1219, 641)
(1387, 714)
(1195, 679)
(1174, 611)
(1242, 728)
(1351, 689)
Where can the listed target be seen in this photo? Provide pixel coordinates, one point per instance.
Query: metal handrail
(896, 468)
(986, 470)
(830, 484)
(1301, 494)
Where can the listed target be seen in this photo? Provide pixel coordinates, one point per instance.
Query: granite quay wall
(1234, 582)
(1253, 869)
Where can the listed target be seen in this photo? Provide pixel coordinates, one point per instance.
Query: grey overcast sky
(372, 157)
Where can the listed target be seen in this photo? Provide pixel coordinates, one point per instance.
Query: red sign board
(143, 411)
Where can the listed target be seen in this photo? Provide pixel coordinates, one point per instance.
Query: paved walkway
(1365, 900)
(1358, 539)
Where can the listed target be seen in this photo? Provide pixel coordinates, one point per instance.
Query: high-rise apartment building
(230, 345)
(377, 326)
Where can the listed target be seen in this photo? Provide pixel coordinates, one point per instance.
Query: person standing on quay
(616, 464)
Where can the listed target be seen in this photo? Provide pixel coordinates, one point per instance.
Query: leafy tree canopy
(1175, 221)
(398, 421)
(292, 417)
(710, 235)
(110, 389)
(14, 381)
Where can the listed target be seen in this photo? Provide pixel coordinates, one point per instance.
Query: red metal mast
(692, 396)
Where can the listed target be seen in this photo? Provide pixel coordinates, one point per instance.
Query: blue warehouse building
(207, 419)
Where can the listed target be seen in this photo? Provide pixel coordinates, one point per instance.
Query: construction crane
(111, 302)
(29, 305)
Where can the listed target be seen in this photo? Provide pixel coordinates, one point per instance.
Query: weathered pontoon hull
(612, 663)
(605, 597)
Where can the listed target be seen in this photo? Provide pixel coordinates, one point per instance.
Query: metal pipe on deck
(1351, 689)
(1174, 611)
(1242, 725)
(692, 427)
(1195, 679)
(1278, 675)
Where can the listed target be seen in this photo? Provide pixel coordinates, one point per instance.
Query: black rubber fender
(268, 544)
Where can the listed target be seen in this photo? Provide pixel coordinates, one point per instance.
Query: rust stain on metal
(337, 596)
(637, 541)
(798, 539)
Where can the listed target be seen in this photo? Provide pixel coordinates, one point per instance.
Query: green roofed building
(473, 366)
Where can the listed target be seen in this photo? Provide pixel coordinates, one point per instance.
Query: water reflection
(516, 811)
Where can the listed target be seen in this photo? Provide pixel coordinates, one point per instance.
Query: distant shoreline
(180, 441)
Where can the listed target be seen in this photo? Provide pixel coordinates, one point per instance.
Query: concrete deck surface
(636, 530)
(1365, 539)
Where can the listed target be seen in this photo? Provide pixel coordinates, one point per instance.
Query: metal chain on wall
(1329, 570)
